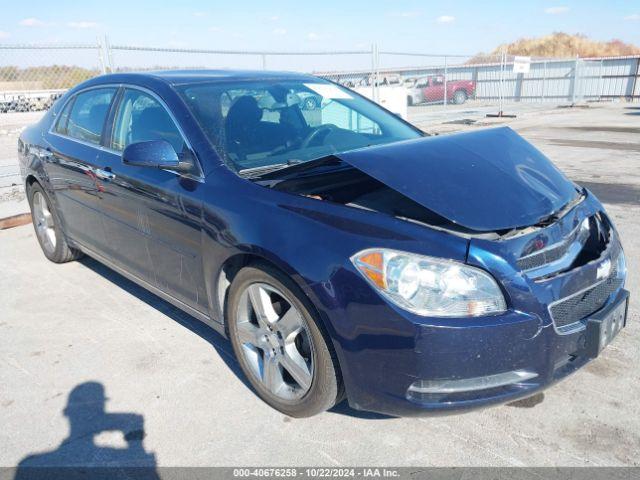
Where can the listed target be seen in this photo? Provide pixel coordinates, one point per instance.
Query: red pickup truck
(431, 90)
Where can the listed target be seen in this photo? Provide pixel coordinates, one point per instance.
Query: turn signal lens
(371, 267)
(430, 286)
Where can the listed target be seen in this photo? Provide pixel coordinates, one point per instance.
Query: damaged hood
(485, 181)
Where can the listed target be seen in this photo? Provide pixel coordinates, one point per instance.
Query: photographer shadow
(78, 455)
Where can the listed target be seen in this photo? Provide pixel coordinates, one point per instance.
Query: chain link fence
(451, 86)
(414, 85)
(427, 89)
(33, 76)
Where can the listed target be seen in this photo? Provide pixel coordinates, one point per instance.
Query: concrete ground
(12, 199)
(70, 332)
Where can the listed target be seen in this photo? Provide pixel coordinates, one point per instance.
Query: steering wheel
(314, 134)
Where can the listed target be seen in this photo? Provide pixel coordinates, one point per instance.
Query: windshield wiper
(256, 172)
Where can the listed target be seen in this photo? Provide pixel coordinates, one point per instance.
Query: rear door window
(88, 113)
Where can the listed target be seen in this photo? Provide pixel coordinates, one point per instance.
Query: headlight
(429, 286)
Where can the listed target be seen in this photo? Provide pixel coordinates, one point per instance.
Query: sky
(460, 27)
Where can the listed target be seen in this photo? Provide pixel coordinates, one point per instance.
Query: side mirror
(154, 154)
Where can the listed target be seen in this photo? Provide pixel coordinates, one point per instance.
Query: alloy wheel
(275, 341)
(45, 226)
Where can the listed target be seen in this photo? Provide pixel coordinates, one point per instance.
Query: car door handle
(104, 174)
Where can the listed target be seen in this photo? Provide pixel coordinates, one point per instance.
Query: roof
(179, 77)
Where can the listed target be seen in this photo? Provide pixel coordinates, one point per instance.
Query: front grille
(554, 252)
(539, 259)
(570, 310)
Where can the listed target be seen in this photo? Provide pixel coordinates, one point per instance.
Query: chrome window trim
(56, 116)
(103, 148)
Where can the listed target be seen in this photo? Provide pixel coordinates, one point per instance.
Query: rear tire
(48, 227)
(459, 97)
(290, 363)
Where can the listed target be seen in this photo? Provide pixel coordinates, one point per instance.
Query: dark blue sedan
(342, 251)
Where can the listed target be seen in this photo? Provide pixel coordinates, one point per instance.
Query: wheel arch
(236, 262)
(230, 268)
(29, 180)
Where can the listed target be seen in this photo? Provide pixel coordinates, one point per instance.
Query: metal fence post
(373, 71)
(375, 64)
(445, 80)
(503, 67)
(108, 58)
(100, 48)
(575, 81)
(600, 81)
(264, 61)
(377, 73)
(544, 80)
(503, 71)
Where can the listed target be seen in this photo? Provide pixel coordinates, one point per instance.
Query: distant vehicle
(431, 90)
(414, 88)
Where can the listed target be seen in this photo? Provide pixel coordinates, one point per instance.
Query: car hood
(488, 180)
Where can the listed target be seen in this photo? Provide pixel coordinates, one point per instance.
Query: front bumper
(438, 369)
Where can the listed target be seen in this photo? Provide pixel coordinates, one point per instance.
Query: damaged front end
(332, 180)
(548, 244)
(485, 184)
(525, 222)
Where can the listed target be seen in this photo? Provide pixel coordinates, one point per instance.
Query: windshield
(261, 125)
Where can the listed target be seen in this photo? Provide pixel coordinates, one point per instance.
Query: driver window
(141, 118)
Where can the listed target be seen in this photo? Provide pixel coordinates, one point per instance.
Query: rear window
(63, 119)
(88, 111)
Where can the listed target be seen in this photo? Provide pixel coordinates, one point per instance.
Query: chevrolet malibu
(344, 253)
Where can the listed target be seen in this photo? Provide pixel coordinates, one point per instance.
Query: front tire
(279, 343)
(48, 227)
